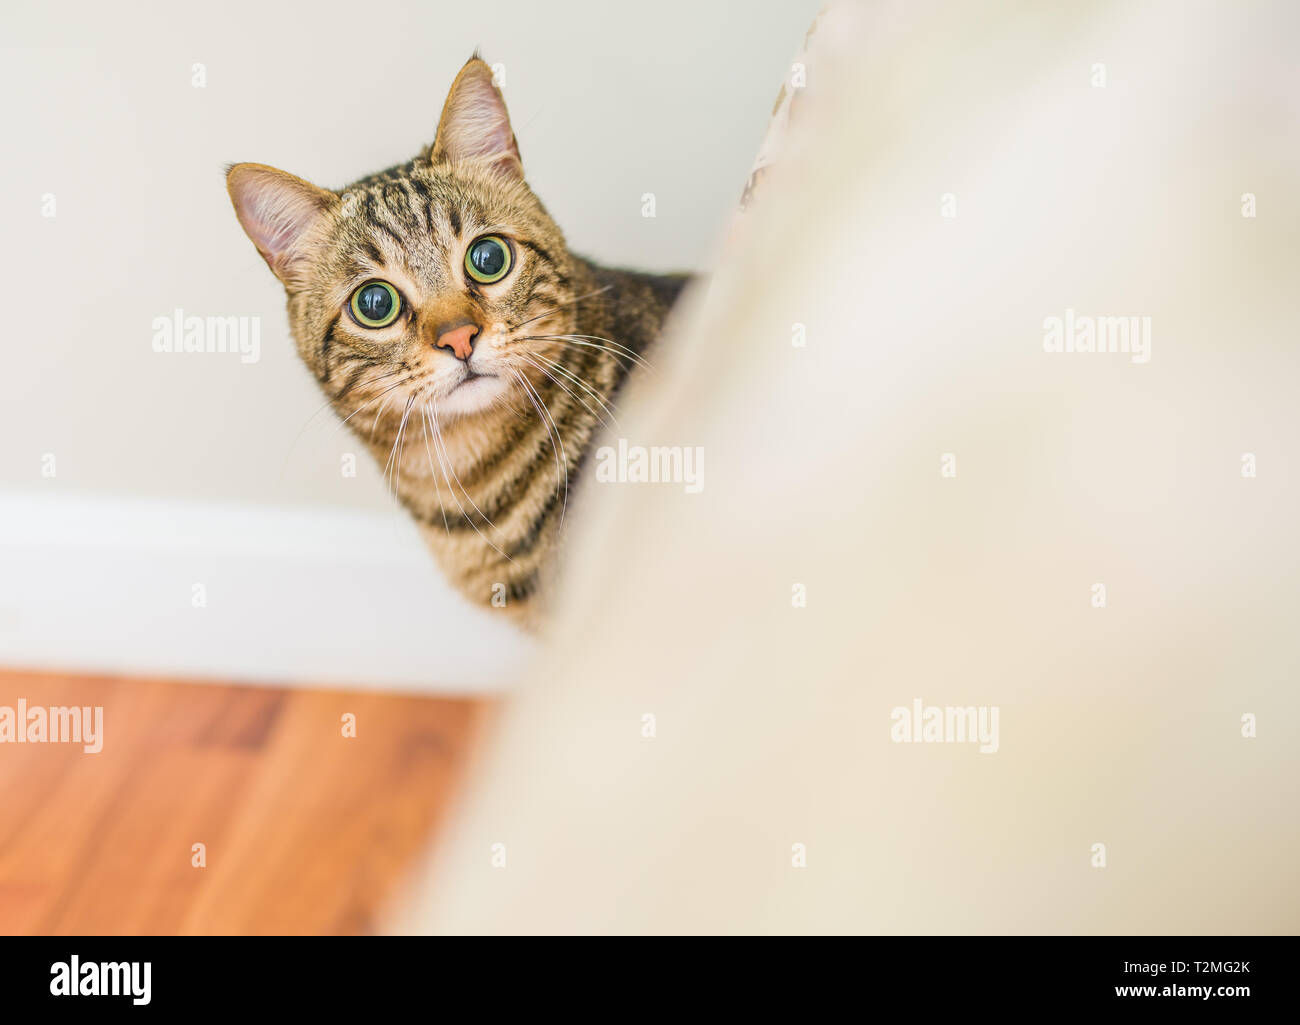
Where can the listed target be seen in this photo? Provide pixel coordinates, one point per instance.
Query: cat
(456, 334)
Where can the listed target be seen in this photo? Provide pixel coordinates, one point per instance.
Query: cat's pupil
(488, 258)
(375, 302)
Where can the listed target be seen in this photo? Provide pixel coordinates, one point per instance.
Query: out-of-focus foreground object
(910, 496)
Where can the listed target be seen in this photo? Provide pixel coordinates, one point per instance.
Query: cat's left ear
(474, 123)
(277, 211)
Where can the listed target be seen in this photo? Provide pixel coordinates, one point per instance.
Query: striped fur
(485, 478)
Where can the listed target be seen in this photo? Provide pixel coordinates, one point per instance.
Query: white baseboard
(301, 596)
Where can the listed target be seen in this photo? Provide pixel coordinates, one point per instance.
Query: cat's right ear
(474, 123)
(277, 211)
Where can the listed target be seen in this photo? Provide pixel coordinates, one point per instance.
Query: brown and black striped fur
(486, 477)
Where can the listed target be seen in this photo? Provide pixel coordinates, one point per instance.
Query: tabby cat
(453, 330)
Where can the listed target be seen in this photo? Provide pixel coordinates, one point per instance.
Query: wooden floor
(306, 831)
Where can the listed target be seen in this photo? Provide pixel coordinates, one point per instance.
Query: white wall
(609, 101)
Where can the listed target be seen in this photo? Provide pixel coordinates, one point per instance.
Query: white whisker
(445, 463)
(557, 443)
(591, 342)
(556, 309)
(586, 405)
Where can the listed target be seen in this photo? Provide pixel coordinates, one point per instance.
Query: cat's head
(429, 282)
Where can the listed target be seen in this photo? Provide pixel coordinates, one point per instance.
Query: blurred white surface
(697, 751)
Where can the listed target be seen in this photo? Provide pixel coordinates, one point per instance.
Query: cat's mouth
(471, 376)
(475, 391)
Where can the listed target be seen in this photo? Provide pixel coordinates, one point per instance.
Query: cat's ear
(474, 123)
(277, 210)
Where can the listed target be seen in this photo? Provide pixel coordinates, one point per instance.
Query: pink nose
(460, 340)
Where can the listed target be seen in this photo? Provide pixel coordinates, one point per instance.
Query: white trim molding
(265, 594)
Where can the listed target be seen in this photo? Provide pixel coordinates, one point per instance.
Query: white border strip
(299, 596)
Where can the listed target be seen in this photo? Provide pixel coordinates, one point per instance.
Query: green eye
(488, 259)
(376, 304)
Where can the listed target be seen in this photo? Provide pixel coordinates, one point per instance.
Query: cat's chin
(471, 396)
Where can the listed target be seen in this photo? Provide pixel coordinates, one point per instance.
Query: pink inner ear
(475, 123)
(277, 238)
(275, 210)
(481, 127)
